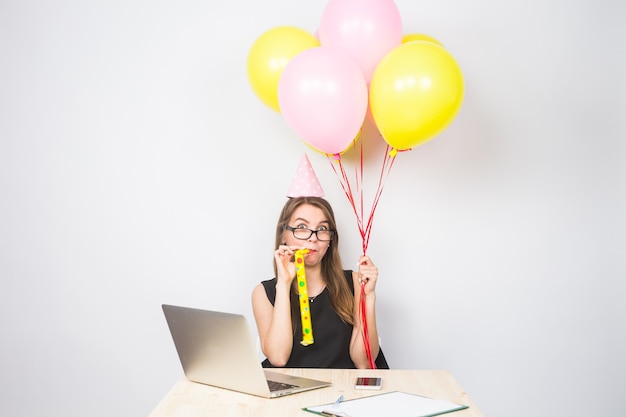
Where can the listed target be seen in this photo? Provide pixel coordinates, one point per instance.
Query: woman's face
(308, 217)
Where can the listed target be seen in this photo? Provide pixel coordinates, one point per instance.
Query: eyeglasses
(303, 233)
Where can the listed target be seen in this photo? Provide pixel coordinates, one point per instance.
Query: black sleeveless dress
(331, 347)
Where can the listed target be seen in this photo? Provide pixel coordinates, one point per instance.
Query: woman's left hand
(367, 274)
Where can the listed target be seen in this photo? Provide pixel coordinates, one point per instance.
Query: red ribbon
(365, 333)
(358, 207)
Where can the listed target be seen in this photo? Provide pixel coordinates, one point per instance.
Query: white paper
(396, 403)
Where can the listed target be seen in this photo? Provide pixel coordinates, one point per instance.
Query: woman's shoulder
(269, 286)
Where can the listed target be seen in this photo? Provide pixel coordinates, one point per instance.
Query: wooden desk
(188, 399)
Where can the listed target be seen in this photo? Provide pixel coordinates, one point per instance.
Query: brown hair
(341, 297)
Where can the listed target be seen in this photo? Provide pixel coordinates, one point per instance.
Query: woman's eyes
(303, 226)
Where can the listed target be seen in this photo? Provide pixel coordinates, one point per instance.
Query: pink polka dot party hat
(305, 182)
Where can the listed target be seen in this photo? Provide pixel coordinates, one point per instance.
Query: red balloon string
(357, 202)
(345, 184)
(386, 168)
(358, 208)
(365, 333)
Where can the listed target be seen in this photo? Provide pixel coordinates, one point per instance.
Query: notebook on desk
(216, 348)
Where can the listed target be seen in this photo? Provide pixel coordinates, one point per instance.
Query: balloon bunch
(324, 83)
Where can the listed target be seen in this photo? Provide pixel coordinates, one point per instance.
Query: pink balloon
(364, 29)
(323, 96)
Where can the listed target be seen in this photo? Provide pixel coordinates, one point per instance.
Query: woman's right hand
(285, 265)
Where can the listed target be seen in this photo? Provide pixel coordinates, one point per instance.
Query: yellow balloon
(420, 37)
(415, 93)
(269, 55)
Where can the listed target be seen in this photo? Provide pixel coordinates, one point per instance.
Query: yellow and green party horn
(305, 311)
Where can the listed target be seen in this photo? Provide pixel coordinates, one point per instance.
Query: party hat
(305, 182)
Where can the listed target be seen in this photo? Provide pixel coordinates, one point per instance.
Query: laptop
(216, 348)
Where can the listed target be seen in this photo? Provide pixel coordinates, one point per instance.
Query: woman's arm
(366, 276)
(273, 324)
(274, 321)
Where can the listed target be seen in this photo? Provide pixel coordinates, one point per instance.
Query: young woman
(309, 223)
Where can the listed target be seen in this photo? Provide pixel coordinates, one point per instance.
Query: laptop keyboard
(279, 386)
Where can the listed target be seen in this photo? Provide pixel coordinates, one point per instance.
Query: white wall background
(138, 168)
